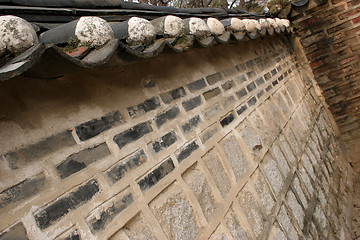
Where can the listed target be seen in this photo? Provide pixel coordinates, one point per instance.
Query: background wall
(229, 142)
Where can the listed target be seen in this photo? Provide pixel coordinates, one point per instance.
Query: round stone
(93, 31)
(264, 23)
(237, 25)
(174, 26)
(140, 31)
(272, 22)
(279, 22)
(198, 27)
(16, 34)
(286, 22)
(250, 25)
(215, 26)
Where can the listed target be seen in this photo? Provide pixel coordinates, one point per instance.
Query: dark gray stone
(156, 175)
(278, 68)
(170, 114)
(80, 160)
(250, 63)
(241, 79)
(240, 67)
(214, 78)
(281, 78)
(26, 155)
(172, 95)
(16, 232)
(212, 93)
(268, 88)
(23, 190)
(164, 142)
(75, 235)
(148, 83)
(241, 93)
(94, 127)
(250, 87)
(193, 123)
(241, 109)
(227, 119)
(228, 72)
(63, 205)
(267, 76)
(259, 94)
(187, 151)
(260, 81)
(132, 134)
(258, 60)
(196, 85)
(252, 101)
(286, 74)
(144, 107)
(228, 85)
(192, 103)
(121, 169)
(273, 72)
(274, 83)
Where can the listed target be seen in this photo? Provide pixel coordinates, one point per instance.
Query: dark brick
(75, 235)
(241, 109)
(240, 79)
(105, 216)
(148, 83)
(186, 151)
(192, 103)
(258, 60)
(172, 95)
(196, 85)
(250, 74)
(227, 120)
(228, 72)
(251, 87)
(122, 168)
(250, 63)
(267, 76)
(278, 68)
(212, 93)
(164, 142)
(214, 78)
(144, 107)
(241, 93)
(132, 134)
(94, 127)
(268, 88)
(156, 175)
(16, 232)
(193, 123)
(278, 59)
(23, 190)
(63, 205)
(274, 83)
(273, 72)
(281, 78)
(170, 114)
(259, 94)
(240, 67)
(28, 154)
(289, 71)
(80, 160)
(286, 74)
(252, 101)
(260, 81)
(228, 85)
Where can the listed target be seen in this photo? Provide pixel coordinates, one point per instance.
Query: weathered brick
(23, 190)
(214, 78)
(212, 93)
(241, 109)
(227, 119)
(192, 103)
(241, 93)
(250, 63)
(170, 114)
(208, 133)
(240, 79)
(212, 111)
(144, 107)
(240, 67)
(148, 83)
(74, 235)
(250, 87)
(273, 72)
(281, 78)
(252, 101)
(191, 124)
(26, 155)
(260, 81)
(94, 127)
(228, 85)
(339, 27)
(268, 88)
(229, 101)
(164, 142)
(196, 85)
(16, 232)
(278, 68)
(101, 216)
(172, 95)
(63, 205)
(228, 72)
(80, 160)
(132, 134)
(274, 83)
(260, 94)
(186, 151)
(250, 74)
(156, 174)
(124, 167)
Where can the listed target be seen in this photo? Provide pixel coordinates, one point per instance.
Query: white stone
(286, 22)
(272, 22)
(140, 31)
(237, 25)
(264, 23)
(215, 26)
(16, 34)
(198, 27)
(93, 31)
(279, 22)
(174, 26)
(250, 25)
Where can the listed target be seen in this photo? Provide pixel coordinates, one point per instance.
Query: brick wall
(229, 142)
(329, 34)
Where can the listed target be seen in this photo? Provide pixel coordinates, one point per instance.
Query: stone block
(250, 87)
(144, 107)
(306, 180)
(155, 175)
(296, 209)
(166, 116)
(250, 137)
(321, 220)
(235, 227)
(208, 133)
(285, 221)
(251, 74)
(274, 83)
(132, 134)
(70, 201)
(212, 111)
(73, 235)
(164, 142)
(235, 156)
(104, 214)
(286, 149)
(191, 124)
(250, 63)
(23, 190)
(252, 101)
(260, 94)
(240, 79)
(124, 167)
(172, 95)
(273, 72)
(227, 119)
(218, 234)
(242, 109)
(241, 93)
(259, 81)
(277, 233)
(263, 190)
(241, 67)
(186, 151)
(16, 232)
(229, 101)
(273, 174)
(94, 127)
(31, 153)
(199, 185)
(308, 166)
(267, 76)
(268, 88)
(175, 214)
(81, 160)
(196, 85)
(192, 103)
(228, 85)
(214, 78)
(211, 93)
(280, 158)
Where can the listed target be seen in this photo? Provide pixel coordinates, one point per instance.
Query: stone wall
(228, 142)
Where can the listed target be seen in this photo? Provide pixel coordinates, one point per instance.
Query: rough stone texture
(175, 214)
(93, 30)
(16, 232)
(208, 133)
(211, 93)
(192, 103)
(212, 111)
(277, 233)
(263, 190)
(285, 222)
(132, 134)
(273, 174)
(218, 235)
(214, 78)
(186, 151)
(166, 116)
(191, 124)
(172, 95)
(144, 107)
(164, 142)
(250, 137)
(227, 119)
(233, 224)
(196, 85)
